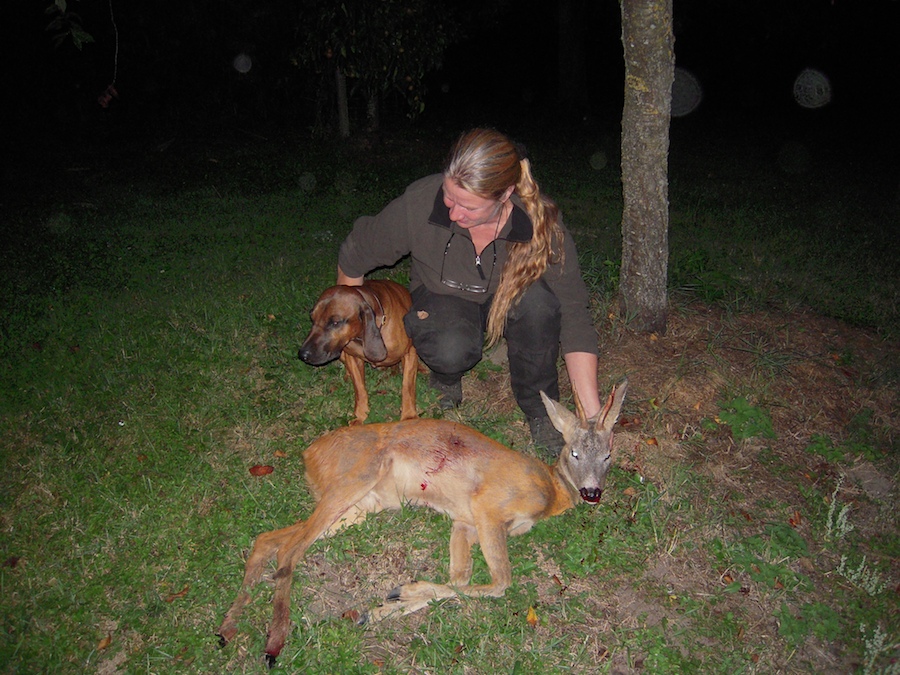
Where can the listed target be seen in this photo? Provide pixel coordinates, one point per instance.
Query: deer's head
(587, 455)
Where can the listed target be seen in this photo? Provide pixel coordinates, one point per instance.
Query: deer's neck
(566, 496)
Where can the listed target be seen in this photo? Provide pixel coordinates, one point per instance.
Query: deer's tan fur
(489, 491)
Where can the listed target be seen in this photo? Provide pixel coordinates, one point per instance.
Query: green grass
(151, 315)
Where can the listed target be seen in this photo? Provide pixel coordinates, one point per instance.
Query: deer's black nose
(591, 495)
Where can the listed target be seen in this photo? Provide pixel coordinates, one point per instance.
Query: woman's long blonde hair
(485, 163)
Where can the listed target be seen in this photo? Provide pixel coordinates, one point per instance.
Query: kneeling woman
(490, 258)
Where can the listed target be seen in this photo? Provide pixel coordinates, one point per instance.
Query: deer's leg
(414, 596)
(264, 549)
(462, 538)
(407, 599)
(492, 535)
(353, 516)
(329, 512)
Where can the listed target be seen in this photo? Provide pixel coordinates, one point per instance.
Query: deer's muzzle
(591, 495)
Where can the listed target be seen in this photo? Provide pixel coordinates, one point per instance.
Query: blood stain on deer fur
(442, 459)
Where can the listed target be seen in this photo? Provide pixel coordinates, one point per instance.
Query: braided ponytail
(527, 261)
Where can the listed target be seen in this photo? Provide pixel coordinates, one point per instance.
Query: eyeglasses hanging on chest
(479, 267)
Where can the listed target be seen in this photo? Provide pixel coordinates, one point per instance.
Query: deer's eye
(608, 457)
(574, 454)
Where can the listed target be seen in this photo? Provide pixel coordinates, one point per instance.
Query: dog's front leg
(356, 371)
(410, 365)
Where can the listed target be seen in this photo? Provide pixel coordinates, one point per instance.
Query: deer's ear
(563, 419)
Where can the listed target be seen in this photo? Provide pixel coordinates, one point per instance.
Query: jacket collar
(519, 228)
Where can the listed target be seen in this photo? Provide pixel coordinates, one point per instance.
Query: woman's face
(468, 210)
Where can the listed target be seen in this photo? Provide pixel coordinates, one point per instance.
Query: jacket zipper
(478, 267)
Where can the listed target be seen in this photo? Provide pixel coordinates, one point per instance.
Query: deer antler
(582, 417)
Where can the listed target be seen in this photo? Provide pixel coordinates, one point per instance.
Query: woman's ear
(508, 193)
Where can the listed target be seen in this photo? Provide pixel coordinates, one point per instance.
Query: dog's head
(342, 314)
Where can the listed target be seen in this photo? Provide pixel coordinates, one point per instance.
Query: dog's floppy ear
(373, 344)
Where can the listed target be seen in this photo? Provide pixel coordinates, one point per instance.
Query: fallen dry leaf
(652, 441)
(630, 491)
(630, 421)
(562, 587)
(280, 454)
(532, 617)
(261, 470)
(104, 643)
(179, 594)
(351, 615)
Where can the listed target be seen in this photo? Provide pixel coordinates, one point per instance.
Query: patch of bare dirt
(814, 376)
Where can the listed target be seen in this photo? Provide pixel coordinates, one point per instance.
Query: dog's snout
(312, 355)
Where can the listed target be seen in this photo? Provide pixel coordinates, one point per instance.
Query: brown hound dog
(360, 324)
(490, 492)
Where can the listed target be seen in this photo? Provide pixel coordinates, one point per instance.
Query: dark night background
(175, 78)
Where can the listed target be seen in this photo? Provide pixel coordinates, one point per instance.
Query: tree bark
(648, 42)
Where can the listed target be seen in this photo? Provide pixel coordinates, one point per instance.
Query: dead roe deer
(489, 491)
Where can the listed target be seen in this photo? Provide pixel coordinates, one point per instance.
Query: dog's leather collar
(384, 316)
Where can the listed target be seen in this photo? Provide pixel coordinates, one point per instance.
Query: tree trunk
(372, 117)
(649, 72)
(343, 109)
